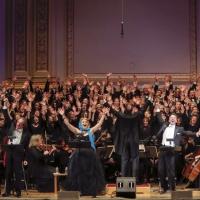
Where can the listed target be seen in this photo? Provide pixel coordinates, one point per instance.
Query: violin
(46, 147)
(64, 147)
(101, 137)
(50, 147)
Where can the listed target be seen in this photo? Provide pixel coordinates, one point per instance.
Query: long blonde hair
(34, 141)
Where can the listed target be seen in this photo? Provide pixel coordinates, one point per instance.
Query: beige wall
(67, 37)
(156, 36)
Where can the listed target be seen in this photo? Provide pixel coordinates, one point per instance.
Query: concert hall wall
(2, 40)
(68, 37)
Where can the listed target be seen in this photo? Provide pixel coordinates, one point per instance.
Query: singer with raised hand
(126, 134)
(170, 136)
(85, 170)
(17, 143)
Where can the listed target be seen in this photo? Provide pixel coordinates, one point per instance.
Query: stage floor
(152, 194)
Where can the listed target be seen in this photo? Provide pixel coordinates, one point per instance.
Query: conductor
(18, 139)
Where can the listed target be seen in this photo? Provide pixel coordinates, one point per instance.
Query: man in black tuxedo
(170, 136)
(18, 140)
(126, 139)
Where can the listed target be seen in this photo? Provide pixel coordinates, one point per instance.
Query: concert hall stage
(145, 195)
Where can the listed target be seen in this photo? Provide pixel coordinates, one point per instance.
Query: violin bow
(45, 135)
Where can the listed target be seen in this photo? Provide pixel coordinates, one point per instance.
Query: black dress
(35, 130)
(85, 173)
(40, 171)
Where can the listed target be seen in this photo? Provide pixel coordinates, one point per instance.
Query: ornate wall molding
(193, 37)
(42, 35)
(143, 78)
(20, 38)
(8, 38)
(38, 34)
(40, 40)
(27, 38)
(70, 37)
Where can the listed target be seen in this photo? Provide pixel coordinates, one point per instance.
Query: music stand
(13, 147)
(16, 148)
(105, 152)
(151, 151)
(142, 151)
(79, 144)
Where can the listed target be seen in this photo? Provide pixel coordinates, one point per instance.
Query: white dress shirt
(17, 135)
(168, 134)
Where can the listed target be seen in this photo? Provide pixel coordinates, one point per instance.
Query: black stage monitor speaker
(181, 195)
(126, 187)
(69, 195)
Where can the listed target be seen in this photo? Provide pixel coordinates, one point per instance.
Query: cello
(195, 169)
(192, 167)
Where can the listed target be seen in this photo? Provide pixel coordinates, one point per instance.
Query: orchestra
(100, 129)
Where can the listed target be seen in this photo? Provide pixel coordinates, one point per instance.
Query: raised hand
(156, 78)
(198, 133)
(98, 83)
(103, 82)
(6, 102)
(61, 111)
(29, 78)
(68, 83)
(85, 75)
(109, 74)
(49, 76)
(105, 110)
(14, 78)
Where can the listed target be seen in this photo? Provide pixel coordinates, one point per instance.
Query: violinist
(41, 171)
(62, 155)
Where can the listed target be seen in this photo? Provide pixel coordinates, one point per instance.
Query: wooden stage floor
(146, 195)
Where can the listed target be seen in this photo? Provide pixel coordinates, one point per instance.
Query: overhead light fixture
(122, 19)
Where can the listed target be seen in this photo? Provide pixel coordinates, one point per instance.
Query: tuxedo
(126, 141)
(177, 135)
(170, 136)
(15, 153)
